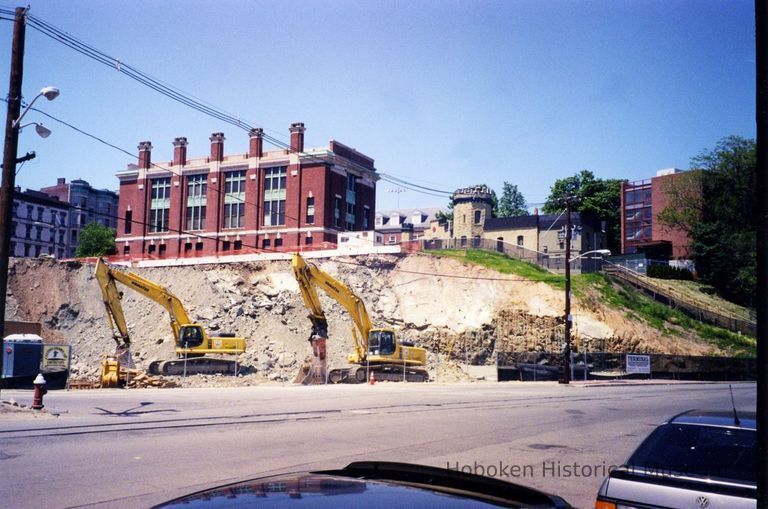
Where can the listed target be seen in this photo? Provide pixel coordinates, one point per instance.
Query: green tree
(717, 206)
(96, 240)
(512, 202)
(600, 198)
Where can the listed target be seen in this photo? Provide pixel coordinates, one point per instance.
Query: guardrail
(682, 302)
(552, 262)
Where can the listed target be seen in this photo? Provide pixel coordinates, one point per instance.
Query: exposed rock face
(467, 318)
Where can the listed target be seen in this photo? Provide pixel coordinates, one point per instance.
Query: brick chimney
(256, 147)
(297, 137)
(145, 155)
(217, 147)
(179, 151)
(61, 181)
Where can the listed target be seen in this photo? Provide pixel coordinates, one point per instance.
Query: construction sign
(55, 357)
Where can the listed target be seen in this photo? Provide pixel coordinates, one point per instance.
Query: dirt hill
(465, 318)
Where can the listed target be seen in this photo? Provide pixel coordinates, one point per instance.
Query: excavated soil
(459, 320)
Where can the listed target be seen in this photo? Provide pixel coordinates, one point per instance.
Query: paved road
(132, 448)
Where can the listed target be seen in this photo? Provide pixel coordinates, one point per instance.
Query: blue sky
(442, 93)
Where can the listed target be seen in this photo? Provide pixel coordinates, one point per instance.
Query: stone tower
(471, 207)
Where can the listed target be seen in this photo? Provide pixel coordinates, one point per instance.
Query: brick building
(641, 202)
(87, 205)
(231, 204)
(39, 225)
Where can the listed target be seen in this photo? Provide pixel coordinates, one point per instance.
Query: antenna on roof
(733, 405)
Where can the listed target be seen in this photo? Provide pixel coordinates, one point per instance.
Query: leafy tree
(600, 198)
(512, 202)
(96, 240)
(717, 206)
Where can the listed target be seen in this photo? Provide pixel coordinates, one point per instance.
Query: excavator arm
(309, 278)
(107, 276)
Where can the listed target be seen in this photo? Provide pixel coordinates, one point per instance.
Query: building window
(463, 241)
(308, 241)
(265, 243)
(151, 248)
(477, 216)
(225, 245)
(39, 213)
(187, 246)
(520, 240)
(337, 212)
(350, 217)
(126, 250)
(196, 201)
(128, 221)
(310, 209)
(238, 245)
(29, 211)
(278, 242)
(392, 239)
(366, 218)
(234, 199)
(274, 196)
(160, 206)
(476, 241)
(198, 246)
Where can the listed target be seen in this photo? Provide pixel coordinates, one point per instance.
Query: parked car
(696, 459)
(372, 484)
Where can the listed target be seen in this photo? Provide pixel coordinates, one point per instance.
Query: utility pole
(761, 114)
(9, 160)
(567, 349)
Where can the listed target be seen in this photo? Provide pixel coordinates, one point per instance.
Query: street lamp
(10, 150)
(49, 93)
(40, 129)
(568, 318)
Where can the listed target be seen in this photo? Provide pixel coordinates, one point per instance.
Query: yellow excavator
(377, 350)
(192, 341)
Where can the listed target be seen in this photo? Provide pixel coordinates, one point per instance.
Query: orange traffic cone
(372, 380)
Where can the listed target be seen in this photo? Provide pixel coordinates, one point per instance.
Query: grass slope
(635, 304)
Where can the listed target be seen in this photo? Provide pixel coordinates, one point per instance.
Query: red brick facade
(641, 202)
(316, 178)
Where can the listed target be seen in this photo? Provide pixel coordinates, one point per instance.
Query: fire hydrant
(40, 391)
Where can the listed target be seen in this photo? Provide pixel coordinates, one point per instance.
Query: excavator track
(194, 366)
(381, 372)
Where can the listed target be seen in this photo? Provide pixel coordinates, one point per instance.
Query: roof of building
(39, 198)
(406, 216)
(544, 221)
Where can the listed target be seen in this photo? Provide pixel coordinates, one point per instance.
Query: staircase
(680, 301)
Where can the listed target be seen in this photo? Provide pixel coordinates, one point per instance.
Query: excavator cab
(381, 342)
(191, 336)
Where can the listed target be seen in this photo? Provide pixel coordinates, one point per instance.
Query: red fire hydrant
(40, 391)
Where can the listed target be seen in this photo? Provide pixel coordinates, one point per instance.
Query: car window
(713, 452)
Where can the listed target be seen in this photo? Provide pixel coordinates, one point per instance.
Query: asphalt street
(134, 448)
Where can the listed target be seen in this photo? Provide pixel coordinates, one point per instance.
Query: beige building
(539, 238)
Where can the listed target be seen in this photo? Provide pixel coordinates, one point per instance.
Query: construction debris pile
(459, 321)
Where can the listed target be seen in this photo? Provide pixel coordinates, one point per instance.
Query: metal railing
(552, 262)
(680, 301)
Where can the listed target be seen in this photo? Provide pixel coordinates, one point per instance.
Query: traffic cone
(372, 380)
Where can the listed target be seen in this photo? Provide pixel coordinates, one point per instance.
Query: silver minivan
(697, 460)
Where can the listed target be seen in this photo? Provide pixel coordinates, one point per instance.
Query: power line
(184, 98)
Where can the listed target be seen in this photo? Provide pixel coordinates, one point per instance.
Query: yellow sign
(55, 357)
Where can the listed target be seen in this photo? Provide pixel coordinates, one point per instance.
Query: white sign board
(638, 363)
(55, 357)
